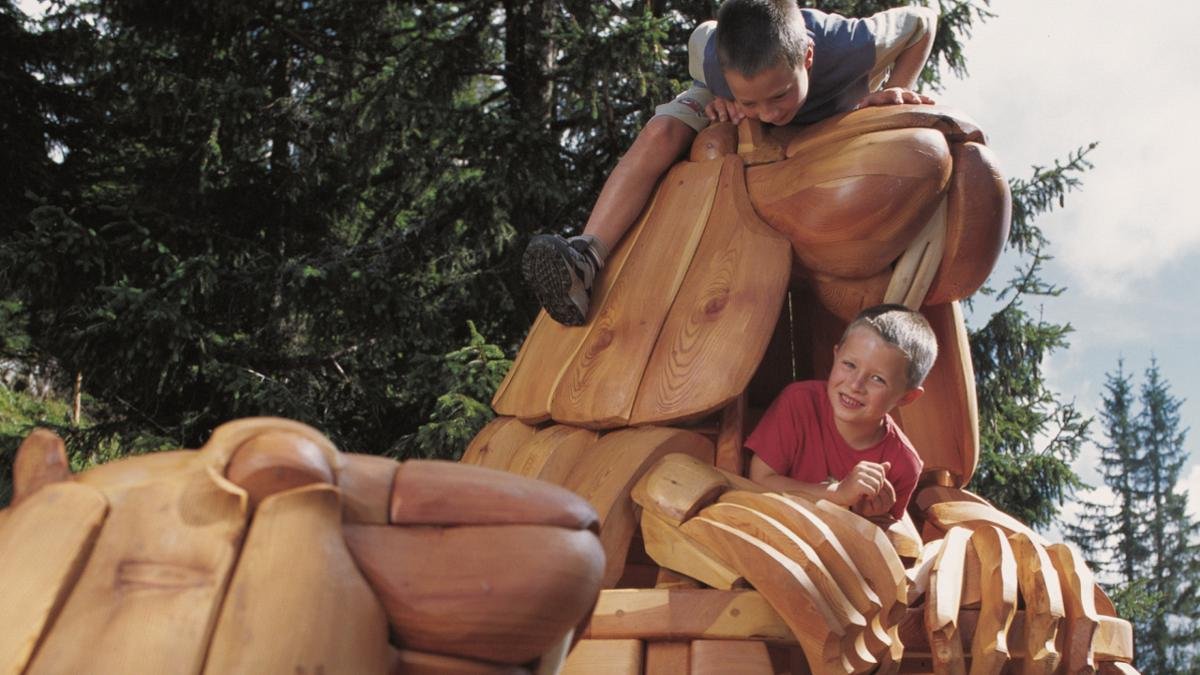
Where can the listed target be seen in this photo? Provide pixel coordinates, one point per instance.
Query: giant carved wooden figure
(740, 276)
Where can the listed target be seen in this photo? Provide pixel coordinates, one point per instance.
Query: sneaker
(561, 272)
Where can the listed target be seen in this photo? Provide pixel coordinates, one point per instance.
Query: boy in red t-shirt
(834, 440)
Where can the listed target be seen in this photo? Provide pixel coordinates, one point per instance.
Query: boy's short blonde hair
(753, 35)
(905, 329)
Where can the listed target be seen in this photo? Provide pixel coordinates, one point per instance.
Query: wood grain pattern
(845, 298)
(785, 585)
(730, 657)
(733, 430)
(724, 313)
(605, 657)
(45, 541)
(668, 546)
(687, 614)
(677, 487)
(495, 444)
(548, 350)
(714, 142)
(979, 212)
(275, 461)
(1041, 592)
(551, 453)
(998, 590)
(973, 514)
(913, 272)
(943, 424)
(599, 386)
(1078, 627)
(366, 486)
(850, 213)
(668, 658)
(954, 124)
(942, 604)
(41, 459)
(158, 570)
(298, 590)
(505, 594)
(934, 494)
(606, 474)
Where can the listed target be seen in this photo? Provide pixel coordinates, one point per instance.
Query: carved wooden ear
(41, 459)
(274, 461)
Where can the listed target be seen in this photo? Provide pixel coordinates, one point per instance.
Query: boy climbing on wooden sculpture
(834, 440)
(762, 59)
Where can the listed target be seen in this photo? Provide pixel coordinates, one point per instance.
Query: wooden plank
(678, 486)
(730, 657)
(433, 492)
(496, 444)
(411, 662)
(668, 658)
(724, 314)
(549, 348)
(786, 586)
(295, 564)
(366, 486)
(552, 453)
(687, 614)
(833, 557)
(606, 474)
(779, 537)
(972, 514)
(942, 604)
(1079, 626)
(45, 541)
(598, 388)
(41, 460)
(943, 424)
(674, 550)
(979, 211)
(998, 590)
(1037, 581)
(504, 594)
(851, 212)
(604, 657)
(158, 570)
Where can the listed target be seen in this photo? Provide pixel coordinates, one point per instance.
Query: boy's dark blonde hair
(753, 35)
(905, 329)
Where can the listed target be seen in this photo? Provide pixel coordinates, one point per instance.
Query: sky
(1047, 77)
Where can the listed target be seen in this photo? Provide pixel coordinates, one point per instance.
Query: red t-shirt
(797, 438)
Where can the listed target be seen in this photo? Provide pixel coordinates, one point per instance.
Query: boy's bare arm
(905, 72)
(865, 480)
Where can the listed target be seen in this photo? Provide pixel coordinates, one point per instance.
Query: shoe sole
(548, 273)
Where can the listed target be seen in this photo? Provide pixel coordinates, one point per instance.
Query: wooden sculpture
(740, 277)
(268, 551)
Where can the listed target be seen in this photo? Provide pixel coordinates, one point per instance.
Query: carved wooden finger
(998, 590)
(366, 486)
(552, 453)
(678, 486)
(500, 593)
(686, 614)
(227, 438)
(1079, 626)
(943, 601)
(918, 575)
(971, 515)
(784, 584)
(954, 124)
(1038, 583)
(1113, 640)
(41, 459)
(606, 474)
(158, 570)
(274, 461)
(914, 270)
(833, 556)
(495, 445)
(433, 492)
(44, 543)
(935, 494)
(674, 550)
(295, 564)
(779, 537)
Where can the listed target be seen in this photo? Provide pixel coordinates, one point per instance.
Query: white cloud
(1191, 484)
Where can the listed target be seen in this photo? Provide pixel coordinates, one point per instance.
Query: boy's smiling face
(772, 95)
(869, 378)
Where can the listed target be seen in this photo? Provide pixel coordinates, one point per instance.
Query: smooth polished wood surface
(411, 662)
(366, 487)
(678, 486)
(495, 445)
(552, 453)
(275, 461)
(41, 459)
(723, 315)
(954, 124)
(1078, 628)
(295, 564)
(44, 543)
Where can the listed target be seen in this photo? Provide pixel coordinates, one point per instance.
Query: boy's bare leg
(561, 272)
